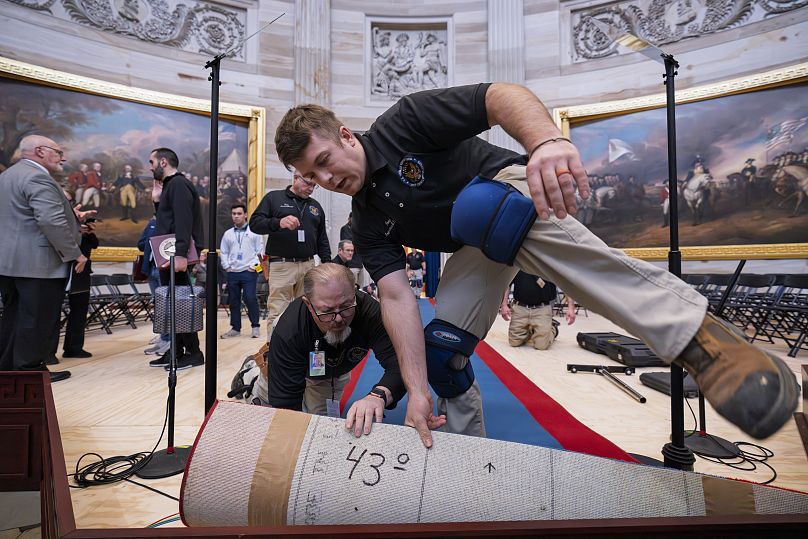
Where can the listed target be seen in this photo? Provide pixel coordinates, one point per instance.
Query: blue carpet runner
(515, 409)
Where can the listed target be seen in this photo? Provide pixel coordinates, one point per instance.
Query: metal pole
(676, 454)
(172, 362)
(212, 288)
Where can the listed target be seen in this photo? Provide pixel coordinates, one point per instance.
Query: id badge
(540, 282)
(301, 236)
(316, 363)
(332, 408)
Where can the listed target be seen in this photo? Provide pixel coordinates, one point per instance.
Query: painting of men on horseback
(742, 162)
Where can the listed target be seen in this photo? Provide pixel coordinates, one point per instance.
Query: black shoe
(58, 376)
(51, 361)
(161, 361)
(77, 353)
(189, 360)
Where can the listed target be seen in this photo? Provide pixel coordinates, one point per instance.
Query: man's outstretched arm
(554, 166)
(402, 320)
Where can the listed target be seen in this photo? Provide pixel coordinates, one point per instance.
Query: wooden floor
(114, 404)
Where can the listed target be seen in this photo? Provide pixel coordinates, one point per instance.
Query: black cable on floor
(746, 461)
(110, 470)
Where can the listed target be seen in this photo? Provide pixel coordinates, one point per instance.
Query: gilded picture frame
(747, 126)
(246, 125)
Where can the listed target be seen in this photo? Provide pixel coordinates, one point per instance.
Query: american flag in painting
(782, 133)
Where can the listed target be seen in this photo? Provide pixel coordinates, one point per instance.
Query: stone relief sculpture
(666, 21)
(189, 25)
(406, 61)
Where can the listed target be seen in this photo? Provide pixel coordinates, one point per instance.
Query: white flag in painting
(783, 133)
(619, 148)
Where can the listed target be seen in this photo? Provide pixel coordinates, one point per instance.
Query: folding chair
(100, 310)
(790, 313)
(122, 300)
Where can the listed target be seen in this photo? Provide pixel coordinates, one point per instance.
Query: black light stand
(699, 441)
(675, 453)
(171, 460)
(211, 286)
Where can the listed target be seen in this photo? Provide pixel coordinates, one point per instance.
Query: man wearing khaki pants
(295, 224)
(531, 313)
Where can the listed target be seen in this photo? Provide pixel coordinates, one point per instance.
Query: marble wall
(319, 50)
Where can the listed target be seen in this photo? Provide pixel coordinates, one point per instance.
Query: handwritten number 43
(374, 466)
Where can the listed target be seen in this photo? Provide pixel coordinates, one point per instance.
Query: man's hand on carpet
(421, 418)
(360, 415)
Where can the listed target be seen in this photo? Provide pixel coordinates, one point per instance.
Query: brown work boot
(751, 388)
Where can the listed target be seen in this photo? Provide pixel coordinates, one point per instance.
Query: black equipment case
(661, 381)
(627, 350)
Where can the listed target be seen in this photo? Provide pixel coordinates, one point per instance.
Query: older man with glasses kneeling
(319, 339)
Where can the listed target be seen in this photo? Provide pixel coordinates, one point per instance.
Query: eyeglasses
(59, 152)
(308, 183)
(330, 317)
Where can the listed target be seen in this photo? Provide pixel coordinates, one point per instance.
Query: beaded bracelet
(540, 144)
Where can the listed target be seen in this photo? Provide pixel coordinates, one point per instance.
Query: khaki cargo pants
(647, 301)
(285, 284)
(533, 326)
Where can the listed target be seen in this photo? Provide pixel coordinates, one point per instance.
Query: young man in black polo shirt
(418, 177)
(295, 223)
(319, 339)
(531, 313)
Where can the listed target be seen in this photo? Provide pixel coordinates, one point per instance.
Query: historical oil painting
(742, 176)
(107, 142)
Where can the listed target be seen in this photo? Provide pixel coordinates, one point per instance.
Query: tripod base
(165, 464)
(711, 446)
(680, 458)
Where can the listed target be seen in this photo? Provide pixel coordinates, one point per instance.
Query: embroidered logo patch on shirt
(356, 354)
(411, 171)
(314, 210)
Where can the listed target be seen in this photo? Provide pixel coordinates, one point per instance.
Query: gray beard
(335, 337)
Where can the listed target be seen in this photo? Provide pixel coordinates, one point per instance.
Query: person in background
(241, 251)
(161, 343)
(178, 213)
(295, 223)
(531, 313)
(40, 244)
(417, 265)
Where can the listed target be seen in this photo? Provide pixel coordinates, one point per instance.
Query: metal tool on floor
(606, 372)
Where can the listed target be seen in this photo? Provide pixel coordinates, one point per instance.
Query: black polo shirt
(526, 290)
(415, 260)
(295, 336)
(340, 261)
(421, 153)
(283, 242)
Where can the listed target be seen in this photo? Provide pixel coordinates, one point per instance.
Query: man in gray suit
(40, 237)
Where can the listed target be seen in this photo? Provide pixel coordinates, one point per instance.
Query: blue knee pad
(443, 341)
(494, 217)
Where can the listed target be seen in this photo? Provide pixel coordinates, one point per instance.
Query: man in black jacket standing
(295, 223)
(178, 213)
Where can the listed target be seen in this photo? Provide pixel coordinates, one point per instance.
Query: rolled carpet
(258, 466)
